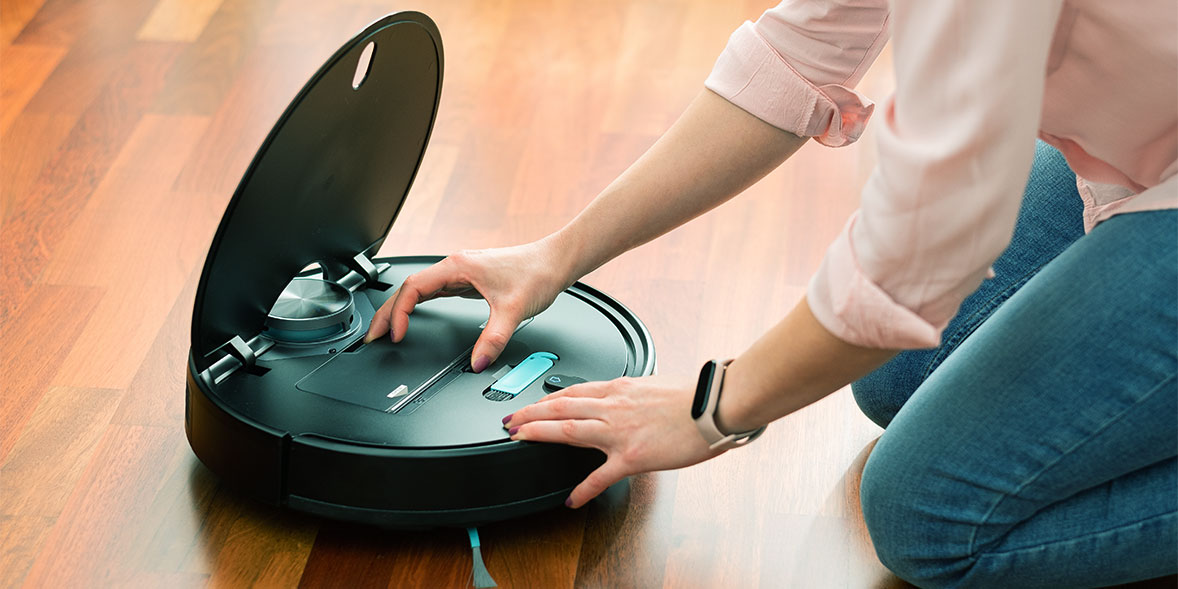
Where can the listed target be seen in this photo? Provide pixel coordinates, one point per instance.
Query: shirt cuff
(751, 74)
(856, 310)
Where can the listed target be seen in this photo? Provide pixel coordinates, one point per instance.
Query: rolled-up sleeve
(796, 67)
(956, 143)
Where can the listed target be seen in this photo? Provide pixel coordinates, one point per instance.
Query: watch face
(703, 389)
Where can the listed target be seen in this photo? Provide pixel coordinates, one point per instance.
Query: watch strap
(706, 422)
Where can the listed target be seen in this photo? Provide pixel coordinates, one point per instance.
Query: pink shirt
(976, 82)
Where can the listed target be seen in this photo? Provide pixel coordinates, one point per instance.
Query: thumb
(500, 327)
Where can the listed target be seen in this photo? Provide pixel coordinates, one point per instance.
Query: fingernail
(507, 419)
(568, 502)
(368, 339)
(481, 364)
(512, 431)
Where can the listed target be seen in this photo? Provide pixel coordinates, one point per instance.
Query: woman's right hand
(517, 282)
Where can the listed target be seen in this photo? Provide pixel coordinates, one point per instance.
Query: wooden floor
(126, 126)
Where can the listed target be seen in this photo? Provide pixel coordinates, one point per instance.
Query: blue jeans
(1037, 446)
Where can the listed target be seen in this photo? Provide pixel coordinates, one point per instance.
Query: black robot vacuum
(284, 401)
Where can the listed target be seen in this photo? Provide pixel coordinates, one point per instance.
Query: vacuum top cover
(328, 181)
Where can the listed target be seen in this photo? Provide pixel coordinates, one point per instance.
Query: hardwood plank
(131, 222)
(15, 15)
(81, 23)
(88, 545)
(266, 83)
(626, 543)
(643, 97)
(38, 335)
(491, 158)
(30, 142)
(103, 534)
(113, 228)
(248, 544)
(517, 554)
(53, 449)
(482, 26)
(322, 25)
(36, 220)
(204, 74)
(177, 20)
(355, 556)
(21, 537)
(569, 112)
(420, 226)
(22, 71)
(156, 393)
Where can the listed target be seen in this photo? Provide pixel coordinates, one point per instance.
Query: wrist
(562, 252)
(734, 414)
(576, 252)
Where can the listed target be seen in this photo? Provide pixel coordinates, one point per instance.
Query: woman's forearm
(713, 152)
(794, 364)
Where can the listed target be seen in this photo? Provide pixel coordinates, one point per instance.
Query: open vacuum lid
(327, 182)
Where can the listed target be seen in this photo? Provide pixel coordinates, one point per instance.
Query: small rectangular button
(533, 367)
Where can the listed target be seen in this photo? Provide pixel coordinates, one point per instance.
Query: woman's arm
(714, 151)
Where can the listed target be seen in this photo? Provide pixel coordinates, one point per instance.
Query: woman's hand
(642, 424)
(517, 282)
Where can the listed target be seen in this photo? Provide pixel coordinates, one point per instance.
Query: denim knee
(919, 540)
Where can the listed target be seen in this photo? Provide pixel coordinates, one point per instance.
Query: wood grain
(15, 15)
(37, 336)
(177, 20)
(22, 71)
(124, 129)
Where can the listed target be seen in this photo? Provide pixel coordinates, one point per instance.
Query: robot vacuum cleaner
(284, 401)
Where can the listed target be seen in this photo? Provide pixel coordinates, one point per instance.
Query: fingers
(416, 289)
(597, 481)
(380, 324)
(595, 389)
(500, 327)
(587, 433)
(563, 408)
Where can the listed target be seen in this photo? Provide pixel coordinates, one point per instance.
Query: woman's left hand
(642, 424)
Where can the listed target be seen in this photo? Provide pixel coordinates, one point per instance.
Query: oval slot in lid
(362, 65)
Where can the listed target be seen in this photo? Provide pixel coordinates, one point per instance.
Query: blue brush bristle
(479, 577)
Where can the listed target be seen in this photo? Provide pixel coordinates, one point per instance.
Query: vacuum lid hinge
(238, 354)
(363, 273)
(365, 267)
(240, 350)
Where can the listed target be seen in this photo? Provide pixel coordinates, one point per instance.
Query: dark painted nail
(568, 502)
(481, 364)
(511, 432)
(507, 419)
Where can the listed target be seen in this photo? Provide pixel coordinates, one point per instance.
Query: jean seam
(1139, 522)
(1107, 424)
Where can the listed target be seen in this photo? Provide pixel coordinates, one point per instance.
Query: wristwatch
(703, 408)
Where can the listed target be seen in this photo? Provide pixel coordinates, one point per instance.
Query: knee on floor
(920, 537)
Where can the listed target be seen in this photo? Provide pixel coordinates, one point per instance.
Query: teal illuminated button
(524, 374)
